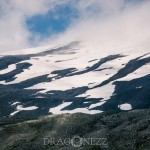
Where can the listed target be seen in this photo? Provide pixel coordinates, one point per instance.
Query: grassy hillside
(111, 130)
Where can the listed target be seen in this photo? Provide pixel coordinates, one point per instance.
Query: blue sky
(54, 21)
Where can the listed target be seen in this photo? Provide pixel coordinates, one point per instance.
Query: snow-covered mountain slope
(75, 77)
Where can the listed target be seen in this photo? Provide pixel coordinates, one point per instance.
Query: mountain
(71, 78)
(76, 91)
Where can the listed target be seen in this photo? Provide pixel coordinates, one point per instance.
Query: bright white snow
(13, 113)
(45, 65)
(9, 69)
(15, 103)
(57, 110)
(20, 107)
(125, 106)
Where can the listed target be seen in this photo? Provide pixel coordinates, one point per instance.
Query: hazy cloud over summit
(107, 23)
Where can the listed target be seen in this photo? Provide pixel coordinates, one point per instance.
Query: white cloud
(107, 23)
(14, 33)
(118, 25)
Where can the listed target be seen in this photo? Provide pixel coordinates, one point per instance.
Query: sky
(109, 23)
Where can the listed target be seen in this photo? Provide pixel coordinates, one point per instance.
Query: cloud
(115, 23)
(123, 24)
(14, 33)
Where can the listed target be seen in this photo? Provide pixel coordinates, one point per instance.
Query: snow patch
(125, 106)
(58, 109)
(20, 107)
(15, 112)
(138, 87)
(9, 69)
(15, 103)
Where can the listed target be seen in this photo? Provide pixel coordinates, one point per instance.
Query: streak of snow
(57, 110)
(15, 103)
(13, 113)
(9, 69)
(19, 107)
